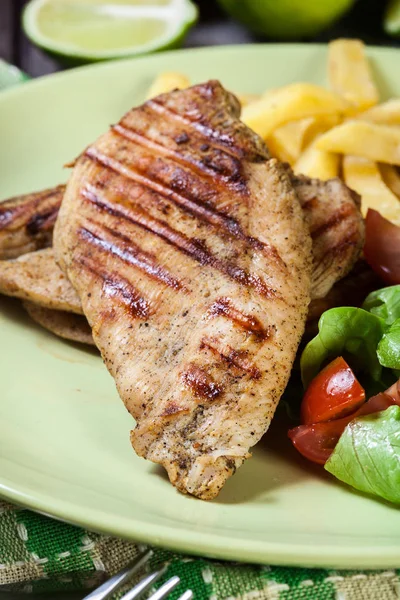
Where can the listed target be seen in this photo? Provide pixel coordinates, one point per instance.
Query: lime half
(391, 20)
(90, 30)
(286, 19)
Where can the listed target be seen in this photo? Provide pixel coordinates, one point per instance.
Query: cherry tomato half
(382, 246)
(317, 441)
(333, 393)
(381, 401)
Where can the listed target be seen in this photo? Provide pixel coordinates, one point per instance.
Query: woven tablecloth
(39, 554)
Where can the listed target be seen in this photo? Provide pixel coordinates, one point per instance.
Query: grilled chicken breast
(26, 222)
(331, 208)
(37, 278)
(192, 259)
(349, 291)
(336, 226)
(64, 324)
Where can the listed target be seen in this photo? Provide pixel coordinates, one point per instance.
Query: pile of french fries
(342, 131)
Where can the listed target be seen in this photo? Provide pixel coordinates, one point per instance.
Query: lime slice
(90, 30)
(391, 20)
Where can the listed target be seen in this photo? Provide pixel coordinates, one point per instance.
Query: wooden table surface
(214, 28)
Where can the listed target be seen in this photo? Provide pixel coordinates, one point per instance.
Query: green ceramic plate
(64, 433)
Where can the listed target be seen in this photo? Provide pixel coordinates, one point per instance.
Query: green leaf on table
(350, 332)
(367, 456)
(384, 303)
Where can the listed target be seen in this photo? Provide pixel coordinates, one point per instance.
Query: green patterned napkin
(39, 554)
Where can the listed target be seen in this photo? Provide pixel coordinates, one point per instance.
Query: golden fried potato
(349, 73)
(166, 82)
(246, 99)
(286, 142)
(317, 163)
(386, 113)
(379, 143)
(391, 177)
(363, 175)
(319, 125)
(290, 103)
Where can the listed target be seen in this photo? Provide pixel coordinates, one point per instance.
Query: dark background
(214, 27)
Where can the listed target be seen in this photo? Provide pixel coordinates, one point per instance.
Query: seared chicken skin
(26, 222)
(37, 278)
(331, 208)
(336, 226)
(63, 324)
(192, 259)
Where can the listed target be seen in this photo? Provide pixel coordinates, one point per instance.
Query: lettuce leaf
(367, 456)
(388, 350)
(350, 332)
(384, 303)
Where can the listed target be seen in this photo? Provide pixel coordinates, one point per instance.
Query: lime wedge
(391, 20)
(91, 30)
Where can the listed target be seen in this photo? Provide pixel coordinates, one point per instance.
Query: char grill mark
(236, 358)
(342, 246)
(201, 383)
(224, 307)
(9, 213)
(117, 288)
(195, 249)
(42, 221)
(223, 167)
(337, 218)
(217, 138)
(196, 207)
(200, 210)
(131, 254)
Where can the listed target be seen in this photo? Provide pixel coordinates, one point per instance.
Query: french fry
(349, 73)
(362, 175)
(290, 103)
(167, 82)
(379, 143)
(246, 99)
(391, 177)
(317, 163)
(286, 142)
(386, 113)
(319, 125)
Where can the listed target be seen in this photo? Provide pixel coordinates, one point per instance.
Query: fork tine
(165, 589)
(112, 585)
(145, 584)
(188, 595)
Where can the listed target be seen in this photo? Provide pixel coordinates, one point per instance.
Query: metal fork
(107, 589)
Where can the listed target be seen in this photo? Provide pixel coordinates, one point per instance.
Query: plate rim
(153, 57)
(209, 544)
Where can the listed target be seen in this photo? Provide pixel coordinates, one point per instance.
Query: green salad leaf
(350, 332)
(388, 350)
(384, 303)
(367, 455)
